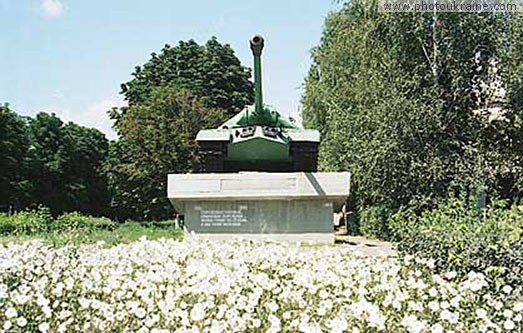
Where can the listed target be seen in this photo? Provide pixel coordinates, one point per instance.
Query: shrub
(77, 221)
(374, 220)
(25, 222)
(461, 237)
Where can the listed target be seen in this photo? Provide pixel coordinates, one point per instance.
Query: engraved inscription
(222, 218)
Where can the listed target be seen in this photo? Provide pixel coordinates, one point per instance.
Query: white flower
(21, 321)
(140, 312)
(509, 325)
(437, 328)
(256, 323)
(455, 301)
(43, 327)
(275, 322)
(412, 324)
(451, 317)
(434, 306)
(507, 289)
(198, 312)
(481, 313)
(273, 306)
(197, 285)
(507, 314)
(11, 313)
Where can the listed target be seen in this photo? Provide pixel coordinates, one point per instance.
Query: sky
(70, 56)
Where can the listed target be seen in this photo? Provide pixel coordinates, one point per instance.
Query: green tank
(258, 138)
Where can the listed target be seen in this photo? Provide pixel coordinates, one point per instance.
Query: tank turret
(258, 138)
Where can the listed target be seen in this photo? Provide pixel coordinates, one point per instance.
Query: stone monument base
(258, 203)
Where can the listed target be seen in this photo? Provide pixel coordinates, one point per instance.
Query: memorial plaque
(222, 218)
(259, 216)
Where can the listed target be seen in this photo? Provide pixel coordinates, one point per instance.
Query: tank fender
(213, 135)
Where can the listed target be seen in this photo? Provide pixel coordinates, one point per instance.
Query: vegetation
(212, 72)
(46, 162)
(420, 107)
(405, 102)
(66, 161)
(373, 221)
(157, 137)
(74, 228)
(206, 286)
(461, 237)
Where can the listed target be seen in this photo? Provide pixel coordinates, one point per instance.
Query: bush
(77, 221)
(374, 221)
(461, 237)
(26, 222)
(41, 221)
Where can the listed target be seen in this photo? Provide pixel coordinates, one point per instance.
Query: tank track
(304, 156)
(212, 156)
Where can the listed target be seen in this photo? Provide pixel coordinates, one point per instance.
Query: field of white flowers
(201, 286)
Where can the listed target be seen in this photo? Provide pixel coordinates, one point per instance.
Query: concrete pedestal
(259, 203)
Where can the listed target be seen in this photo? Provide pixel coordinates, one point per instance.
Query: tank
(258, 138)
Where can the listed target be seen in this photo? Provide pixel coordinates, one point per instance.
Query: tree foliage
(46, 162)
(157, 137)
(211, 72)
(14, 145)
(397, 98)
(66, 165)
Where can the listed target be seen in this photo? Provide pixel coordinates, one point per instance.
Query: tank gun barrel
(257, 43)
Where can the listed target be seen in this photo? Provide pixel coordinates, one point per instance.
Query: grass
(124, 233)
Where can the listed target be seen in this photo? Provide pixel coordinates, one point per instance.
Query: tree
(66, 166)
(211, 72)
(396, 98)
(14, 146)
(85, 184)
(157, 137)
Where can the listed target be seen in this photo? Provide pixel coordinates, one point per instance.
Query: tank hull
(258, 148)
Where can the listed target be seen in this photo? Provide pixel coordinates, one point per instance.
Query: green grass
(124, 233)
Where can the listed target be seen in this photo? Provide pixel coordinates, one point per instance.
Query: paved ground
(366, 246)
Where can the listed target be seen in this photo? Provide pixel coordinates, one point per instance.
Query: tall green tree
(85, 184)
(14, 145)
(211, 72)
(398, 100)
(66, 162)
(157, 137)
